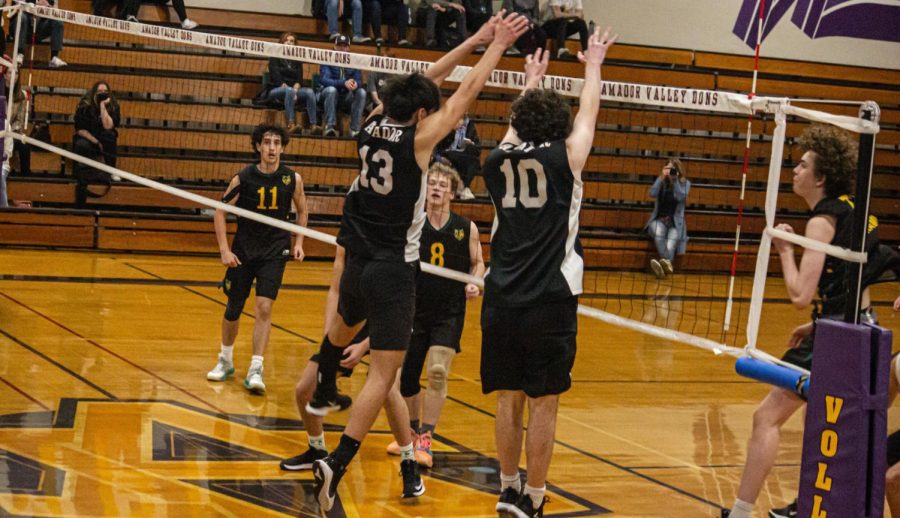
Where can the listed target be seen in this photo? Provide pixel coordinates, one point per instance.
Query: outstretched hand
(508, 30)
(486, 32)
(597, 46)
(536, 66)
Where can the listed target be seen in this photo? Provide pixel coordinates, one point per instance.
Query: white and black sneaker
(524, 508)
(412, 481)
(788, 511)
(507, 501)
(328, 473)
(323, 404)
(304, 461)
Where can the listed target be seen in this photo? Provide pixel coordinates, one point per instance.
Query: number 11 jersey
(535, 252)
(385, 208)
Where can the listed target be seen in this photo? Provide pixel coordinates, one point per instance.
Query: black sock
(426, 428)
(346, 450)
(329, 360)
(413, 425)
(53, 54)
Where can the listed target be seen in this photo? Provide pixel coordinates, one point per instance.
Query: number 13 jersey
(385, 207)
(535, 252)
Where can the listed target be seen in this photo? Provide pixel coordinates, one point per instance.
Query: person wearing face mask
(96, 119)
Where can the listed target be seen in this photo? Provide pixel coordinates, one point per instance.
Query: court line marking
(114, 354)
(22, 392)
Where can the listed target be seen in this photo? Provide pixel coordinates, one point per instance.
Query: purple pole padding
(782, 377)
(844, 443)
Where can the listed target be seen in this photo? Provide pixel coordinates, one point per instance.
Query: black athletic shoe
(508, 499)
(343, 401)
(788, 511)
(412, 481)
(328, 473)
(303, 461)
(725, 513)
(524, 508)
(323, 401)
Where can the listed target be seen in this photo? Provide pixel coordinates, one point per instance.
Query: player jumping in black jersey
(451, 241)
(380, 230)
(528, 319)
(258, 251)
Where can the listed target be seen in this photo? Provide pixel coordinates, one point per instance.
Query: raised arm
(581, 139)
(535, 68)
(435, 127)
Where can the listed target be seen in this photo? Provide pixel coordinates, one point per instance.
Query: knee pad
(233, 310)
(439, 360)
(408, 387)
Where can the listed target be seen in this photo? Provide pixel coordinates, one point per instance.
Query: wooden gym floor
(105, 409)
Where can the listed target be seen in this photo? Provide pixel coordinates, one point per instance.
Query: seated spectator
(285, 85)
(478, 12)
(439, 15)
(394, 12)
(342, 87)
(17, 124)
(334, 9)
(45, 27)
(96, 119)
(563, 18)
(535, 37)
(461, 148)
(131, 7)
(667, 227)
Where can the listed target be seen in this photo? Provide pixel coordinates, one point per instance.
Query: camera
(102, 96)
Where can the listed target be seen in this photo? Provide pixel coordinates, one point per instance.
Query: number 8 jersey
(535, 253)
(385, 207)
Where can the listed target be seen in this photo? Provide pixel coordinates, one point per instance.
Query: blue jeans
(287, 94)
(45, 27)
(331, 11)
(665, 235)
(355, 101)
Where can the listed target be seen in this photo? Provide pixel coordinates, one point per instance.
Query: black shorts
(384, 295)
(431, 330)
(267, 272)
(893, 448)
(529, 349)
(802, 355)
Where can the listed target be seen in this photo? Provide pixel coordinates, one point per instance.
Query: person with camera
(667, 227)
(96, 119)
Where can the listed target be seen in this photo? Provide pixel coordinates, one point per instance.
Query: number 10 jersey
(535, 253)
(385, 208)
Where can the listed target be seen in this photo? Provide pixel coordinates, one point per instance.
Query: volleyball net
(186, 107)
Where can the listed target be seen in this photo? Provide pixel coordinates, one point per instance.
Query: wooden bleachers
(203, 140)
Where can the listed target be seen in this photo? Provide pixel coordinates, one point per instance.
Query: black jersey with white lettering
(535, 251)
(385, 208)
(834, 284)
(270, 195)
(447, 246)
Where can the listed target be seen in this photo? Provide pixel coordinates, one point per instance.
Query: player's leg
(408, 382)
(440, 358)
(509, 435)
(268, 282)
(776, 408)
(236, 286)
(892, 480)
(313, 424)
(398, 417)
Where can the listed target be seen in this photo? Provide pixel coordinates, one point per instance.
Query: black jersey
(447, 246)
(833, 283)
(385, 208)
(270, 195)
(535, 252)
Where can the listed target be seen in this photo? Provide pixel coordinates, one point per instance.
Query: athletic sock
(536, 494)
(329, 360)
(426, 428)
(513, 481)
(256, 361)
(346, 450)
(414, 425)
(228, 353)
(741, 509)
(407, 452)
(317, 442)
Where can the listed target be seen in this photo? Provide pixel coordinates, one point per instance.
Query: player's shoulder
(460, 221)
(836, 206)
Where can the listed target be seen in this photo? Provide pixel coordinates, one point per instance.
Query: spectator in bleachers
(562, 18)
(17, 123)
(341, 87)
(335, 9)
(462, 149)
(45, 27)
(394, 12)
(96, 119)
(478, 12)
(285, 85)
(666, 226)
(535, 37)
(439, 16)
(375, 82)
(131, 7)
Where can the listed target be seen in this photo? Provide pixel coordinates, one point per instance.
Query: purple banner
(875, 20)
(843, 466)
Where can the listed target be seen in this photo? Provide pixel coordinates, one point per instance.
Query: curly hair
(260, 131)
(541, 116)
(404, 95)
(834, 157)
(443, 168)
